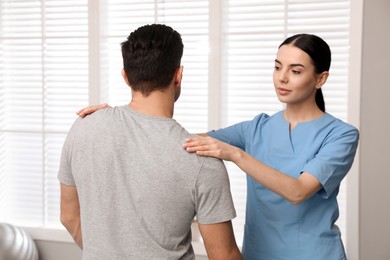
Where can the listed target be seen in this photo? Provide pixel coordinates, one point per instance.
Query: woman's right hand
(89, 110)
(208, 146)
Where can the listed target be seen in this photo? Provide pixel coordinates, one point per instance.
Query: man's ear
(124, 76)
(322, 79)
(178, 76)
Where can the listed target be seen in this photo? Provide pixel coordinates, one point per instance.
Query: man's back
(138, 189)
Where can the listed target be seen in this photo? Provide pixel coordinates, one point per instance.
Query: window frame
(214, 120)
(354, 90)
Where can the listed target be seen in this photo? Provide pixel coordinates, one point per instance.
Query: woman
(294, 160)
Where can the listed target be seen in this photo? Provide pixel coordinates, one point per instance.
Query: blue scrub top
(275, 229)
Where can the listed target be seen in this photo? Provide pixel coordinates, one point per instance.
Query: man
(128, 188)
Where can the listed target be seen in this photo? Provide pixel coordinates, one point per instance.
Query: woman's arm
(295, 190)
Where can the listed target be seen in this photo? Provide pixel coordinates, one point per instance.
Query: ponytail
(320, 100)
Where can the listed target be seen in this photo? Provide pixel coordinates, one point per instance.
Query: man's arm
(219, 241)
(70, 212)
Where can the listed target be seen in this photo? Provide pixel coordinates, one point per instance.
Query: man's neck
(157, 104)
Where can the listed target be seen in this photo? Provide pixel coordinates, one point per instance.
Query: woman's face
(294, 76)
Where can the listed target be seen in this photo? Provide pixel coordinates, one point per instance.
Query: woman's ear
(124, 75)
(322, 79)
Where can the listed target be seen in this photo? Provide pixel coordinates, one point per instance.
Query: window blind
(330, 20)
(47, 74)
(44, 79)
(190, 19)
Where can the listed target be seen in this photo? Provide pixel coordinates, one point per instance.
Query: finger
(195, 148)
(191, 142)
(208, 153)
(198, 141)
(191, 149)
(89, 110)
(84, 112)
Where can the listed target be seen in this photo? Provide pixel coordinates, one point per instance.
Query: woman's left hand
(208, 146)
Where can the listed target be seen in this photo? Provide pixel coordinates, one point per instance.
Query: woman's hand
(89, 110)
(295, 190)
(208, 146)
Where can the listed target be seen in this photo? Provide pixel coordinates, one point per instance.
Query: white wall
(66, 251)
(374, 167)
(58, 250)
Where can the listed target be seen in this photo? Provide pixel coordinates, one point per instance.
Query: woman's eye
(276, 68)
(296, 72)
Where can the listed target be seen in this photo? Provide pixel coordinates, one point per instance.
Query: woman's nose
(282, 76)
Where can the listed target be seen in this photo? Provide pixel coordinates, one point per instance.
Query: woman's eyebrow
(296, 65)
(291, 65)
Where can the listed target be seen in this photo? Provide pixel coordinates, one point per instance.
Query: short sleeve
(237, 134)
(65, 171)
(334, 159)
(214, 202)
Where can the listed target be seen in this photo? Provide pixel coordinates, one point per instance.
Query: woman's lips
(283, 91)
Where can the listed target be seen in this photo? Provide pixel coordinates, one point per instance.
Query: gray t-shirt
(138, 188)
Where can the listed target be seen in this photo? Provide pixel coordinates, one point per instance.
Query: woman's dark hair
(320, 54)
(151, 55)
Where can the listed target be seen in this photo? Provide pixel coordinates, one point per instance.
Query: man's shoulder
(213, 167)
(98, 119)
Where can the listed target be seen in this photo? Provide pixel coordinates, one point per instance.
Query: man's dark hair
(151, 55)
